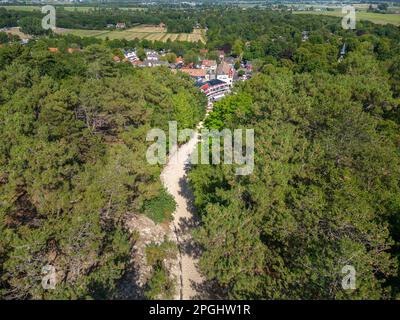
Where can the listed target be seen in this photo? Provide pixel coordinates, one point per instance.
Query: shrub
(160, 208)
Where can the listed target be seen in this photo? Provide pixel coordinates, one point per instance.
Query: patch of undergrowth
(159, 252)
(160, 208)
(160, 284)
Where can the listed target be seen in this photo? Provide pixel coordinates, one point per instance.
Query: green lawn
(378, 18)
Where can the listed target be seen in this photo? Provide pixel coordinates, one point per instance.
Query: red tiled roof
(224, 68)
(209, 63)
(194, 72)
(53, 49)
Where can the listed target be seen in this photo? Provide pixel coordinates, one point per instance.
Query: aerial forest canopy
(72, 164)
(325, 188)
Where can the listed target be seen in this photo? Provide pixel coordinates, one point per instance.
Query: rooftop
(223, 68)
(209, 63)
(213, 82)
(194, 72)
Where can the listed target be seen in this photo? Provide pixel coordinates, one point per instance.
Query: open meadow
(378, 18)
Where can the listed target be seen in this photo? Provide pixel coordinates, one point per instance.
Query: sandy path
(174, 179)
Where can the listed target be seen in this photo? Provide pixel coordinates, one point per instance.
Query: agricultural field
(81, 32)
(151, 33)
(378, 18)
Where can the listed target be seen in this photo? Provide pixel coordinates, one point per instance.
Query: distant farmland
(151, 33)
(67, 8)
(379, 18)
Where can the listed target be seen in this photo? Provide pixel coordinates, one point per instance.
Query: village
(213, 77)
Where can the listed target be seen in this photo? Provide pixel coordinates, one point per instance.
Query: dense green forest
(325, 189)
(72, 164)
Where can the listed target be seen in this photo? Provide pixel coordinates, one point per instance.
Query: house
(214, 89)
(150, 63)
(225, 72)
(120, 25)
(152, 55)
(230, 61)
(209, 65)
(203, 51)
(116, 59)
(154, 63)
(138, 63)
(130, 55)
(221, 54)
(179, 61)
(198, 74)
(53, 49)
(162, 25)
(160, 63)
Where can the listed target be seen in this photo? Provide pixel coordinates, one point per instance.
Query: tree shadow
(188, 245)
(187, 193)
(128, 287)
(208, 290)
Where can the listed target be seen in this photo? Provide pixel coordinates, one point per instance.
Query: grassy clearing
(148, 28)
(151, 33)
(17, 32)
(378, 18)
(82, 32)
(160, 209)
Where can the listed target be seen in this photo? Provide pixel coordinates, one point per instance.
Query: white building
(131, 55)
(152, 55)
(225, 73)
(209, 65)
